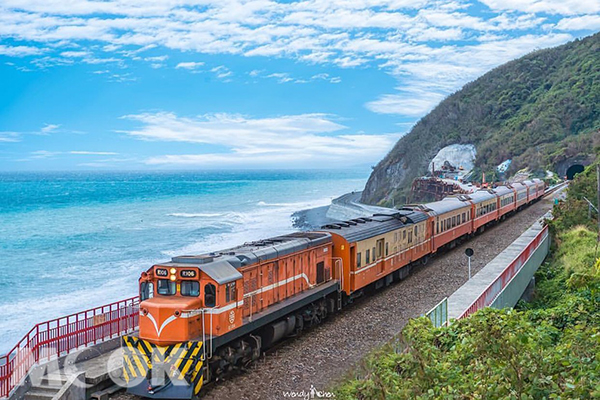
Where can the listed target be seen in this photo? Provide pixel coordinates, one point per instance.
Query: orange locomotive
(203, 316)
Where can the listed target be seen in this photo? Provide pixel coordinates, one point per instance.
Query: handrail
(433, 314)
(491, 292)
(60, 336)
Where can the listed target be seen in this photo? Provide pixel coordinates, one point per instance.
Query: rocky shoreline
(345, 207)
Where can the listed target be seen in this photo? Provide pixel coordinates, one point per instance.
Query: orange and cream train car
(202, 316)
(376, 249)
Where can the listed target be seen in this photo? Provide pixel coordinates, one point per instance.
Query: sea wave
(268, 220)
(194, 215)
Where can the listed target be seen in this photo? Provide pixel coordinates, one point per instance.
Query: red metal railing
(495, 288)
(61, 336)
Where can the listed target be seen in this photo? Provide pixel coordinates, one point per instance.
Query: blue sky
(148, 84)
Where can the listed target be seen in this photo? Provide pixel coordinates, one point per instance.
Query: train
(204, 316)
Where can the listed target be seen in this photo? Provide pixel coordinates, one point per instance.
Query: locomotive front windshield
(166, 287)
(190, 288)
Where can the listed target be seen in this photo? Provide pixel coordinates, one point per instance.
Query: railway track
(327, 352)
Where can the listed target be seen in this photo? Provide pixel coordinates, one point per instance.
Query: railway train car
(506, 200)
(202, 316)
(371, 248)
(451, 219)
(522, 194)
(485, 208)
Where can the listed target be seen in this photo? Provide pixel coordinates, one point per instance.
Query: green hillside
(537, 110)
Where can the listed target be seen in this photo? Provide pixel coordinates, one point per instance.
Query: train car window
(166, 287)
(464, 217)
(395, 237)
(438, 227)
(453, 222)
(410, 237)
(190, 288)
(386, 249)
(416, 230)
(210, 295)
(358, 259)
(146, 290)
(404, 235)
(368, 255)
(380, 248)
(373, 253)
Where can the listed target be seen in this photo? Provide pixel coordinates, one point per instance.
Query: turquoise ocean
(74, 240)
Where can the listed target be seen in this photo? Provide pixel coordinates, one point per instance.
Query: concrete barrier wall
(503, 280)
(511, 294)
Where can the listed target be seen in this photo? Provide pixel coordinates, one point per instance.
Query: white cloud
(93, 153)
(157, 58)
(585, 22)
(49, 128)
(43, 154)
(75, 53)
(565, 7)
(222, 72)
(410, 103)
(281, 77)
(19, 51)
(9, 137)
(305, 140)
(190, 65)
(432, 47)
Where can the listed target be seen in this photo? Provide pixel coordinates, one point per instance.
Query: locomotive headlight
(173, 271)
(173, 277)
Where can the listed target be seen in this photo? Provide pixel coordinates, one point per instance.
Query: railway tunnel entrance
(574, 170)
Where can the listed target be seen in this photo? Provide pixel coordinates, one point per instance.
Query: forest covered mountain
(539, 111)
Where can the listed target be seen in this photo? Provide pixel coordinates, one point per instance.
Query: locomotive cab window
(210, 295)
(190, 288)
(146, 290)
(230, 294)
(358, 259)
(166, 287)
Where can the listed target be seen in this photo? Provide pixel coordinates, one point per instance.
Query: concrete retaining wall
(503, 280)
